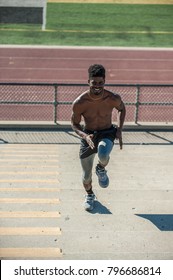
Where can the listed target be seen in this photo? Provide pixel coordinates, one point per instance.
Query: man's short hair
(96, 70)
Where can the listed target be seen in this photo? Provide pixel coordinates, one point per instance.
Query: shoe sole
(103, 187)
(89, 210)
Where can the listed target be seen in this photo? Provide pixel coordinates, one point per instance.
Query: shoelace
(102, 173)
(90, 197)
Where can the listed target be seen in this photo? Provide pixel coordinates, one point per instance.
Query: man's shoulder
(81, 98)
(112, 95)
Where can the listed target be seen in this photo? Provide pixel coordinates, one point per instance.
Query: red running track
(70, 64)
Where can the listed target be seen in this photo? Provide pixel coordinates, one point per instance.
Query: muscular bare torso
(97, 113)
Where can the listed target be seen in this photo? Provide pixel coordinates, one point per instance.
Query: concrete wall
(23, 11)
(22, 3)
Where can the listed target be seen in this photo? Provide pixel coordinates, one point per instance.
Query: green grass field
(97, 25)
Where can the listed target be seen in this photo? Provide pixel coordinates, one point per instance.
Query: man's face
(96, 85)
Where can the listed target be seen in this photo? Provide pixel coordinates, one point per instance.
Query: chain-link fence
(53, 102)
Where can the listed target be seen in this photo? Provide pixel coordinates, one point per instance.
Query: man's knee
(87, 175)
(103, 159)
(103, 155)
(104, 149)
(87, 164)
(87, 179)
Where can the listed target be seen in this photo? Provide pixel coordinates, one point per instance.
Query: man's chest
(97, 109)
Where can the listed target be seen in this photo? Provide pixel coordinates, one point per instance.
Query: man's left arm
(120, 121)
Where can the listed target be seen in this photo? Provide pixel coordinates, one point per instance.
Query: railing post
(55, 102)
(137, 103)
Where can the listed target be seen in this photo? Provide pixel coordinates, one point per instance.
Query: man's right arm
(75, 123)
(76, 119)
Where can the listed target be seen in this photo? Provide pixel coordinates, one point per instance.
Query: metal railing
(53, 102)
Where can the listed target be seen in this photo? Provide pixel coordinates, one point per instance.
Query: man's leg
(104, 149)
(87, 164)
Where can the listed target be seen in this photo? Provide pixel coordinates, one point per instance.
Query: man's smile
(97, 91)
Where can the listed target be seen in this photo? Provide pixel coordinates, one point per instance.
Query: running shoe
(102, 176)
(89, 202)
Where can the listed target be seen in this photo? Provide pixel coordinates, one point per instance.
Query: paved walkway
(41, 197)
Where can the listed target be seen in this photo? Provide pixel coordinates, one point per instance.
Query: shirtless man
(95, 106)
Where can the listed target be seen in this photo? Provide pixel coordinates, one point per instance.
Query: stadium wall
(23, 11)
